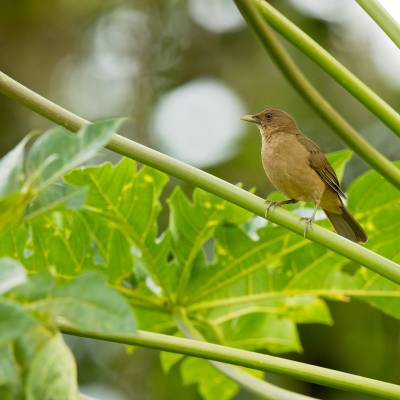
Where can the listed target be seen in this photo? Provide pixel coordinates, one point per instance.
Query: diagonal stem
(295, 76)
(249, 382)
(249, 201)
(378, 13)
(327, 62)
(248, 359)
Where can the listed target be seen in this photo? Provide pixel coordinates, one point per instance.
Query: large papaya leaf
(284, 271)
(121, 213)
(192, 224)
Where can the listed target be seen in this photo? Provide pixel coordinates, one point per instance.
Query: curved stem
(327, 62)
(382, 18)
(248, 359)
(254, 385)
(249, 201)
(291, 71)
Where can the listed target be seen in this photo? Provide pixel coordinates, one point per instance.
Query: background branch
(244, 358)
(382, 18)
(249, 382)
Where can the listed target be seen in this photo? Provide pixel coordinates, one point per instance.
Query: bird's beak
(249, 118)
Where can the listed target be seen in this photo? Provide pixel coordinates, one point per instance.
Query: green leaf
(376, 205)
(193, 224)
(60, 242)
(13, 322)
(8, 368)
(12, 208)
(121, 211)
(87, 303)
(339, 160)
(52, 373)
(156, 321)
(260, 331)
(51, 156)
(11, 169)
(168, 360)
(12, 273)
(56, 197)
(211, 383)
(13, 243)
(57, 151)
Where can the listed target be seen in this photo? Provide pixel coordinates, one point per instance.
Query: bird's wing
(320, 164)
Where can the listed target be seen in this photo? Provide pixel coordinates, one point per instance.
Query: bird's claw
(308, 224)
(270, 204)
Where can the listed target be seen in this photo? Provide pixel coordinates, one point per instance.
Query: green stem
(382, 18)
(249, 382)
(290, 70)
(248, 359)
(206, 181)
(327, 62)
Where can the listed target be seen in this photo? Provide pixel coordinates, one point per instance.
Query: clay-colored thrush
(297, 167)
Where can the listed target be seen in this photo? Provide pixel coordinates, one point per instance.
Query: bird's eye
(269, 116)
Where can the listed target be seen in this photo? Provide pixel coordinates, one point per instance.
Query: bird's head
(272, 120)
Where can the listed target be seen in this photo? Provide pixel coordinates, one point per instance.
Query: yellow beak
(249, 118)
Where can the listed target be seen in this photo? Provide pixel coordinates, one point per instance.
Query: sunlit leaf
(12, 273)
(58, 151)
(9, 374)
(86, 302)
(121, 212)
(168, 360)
(12, 169)
(55, 197)
(211, 383)
(52, 373)
(13, 321)
(339, 160)
(12, 208)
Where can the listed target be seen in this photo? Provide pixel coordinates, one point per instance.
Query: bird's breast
(286, 163)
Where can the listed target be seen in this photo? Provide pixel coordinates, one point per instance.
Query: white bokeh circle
(198, 122)
(216, 15)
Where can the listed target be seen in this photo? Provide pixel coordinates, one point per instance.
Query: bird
(298, 168)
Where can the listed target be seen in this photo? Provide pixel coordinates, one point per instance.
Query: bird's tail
(346, 226)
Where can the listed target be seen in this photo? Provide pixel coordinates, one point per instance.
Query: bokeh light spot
(199, 122)
(216, 15)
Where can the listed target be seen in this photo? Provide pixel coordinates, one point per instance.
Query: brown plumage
(297, 167)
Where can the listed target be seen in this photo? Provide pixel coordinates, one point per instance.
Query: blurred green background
(184, 72)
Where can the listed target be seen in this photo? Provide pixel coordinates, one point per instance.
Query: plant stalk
(250, 383)
(248, 359)
(378, 13)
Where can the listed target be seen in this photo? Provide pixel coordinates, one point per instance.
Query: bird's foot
(308, 224)
(272, 204)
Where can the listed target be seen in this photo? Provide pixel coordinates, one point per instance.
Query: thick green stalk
(382, 18)
(206, 181)
(249, 382)
(290, 70)
(327, 62)
(249, 359)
